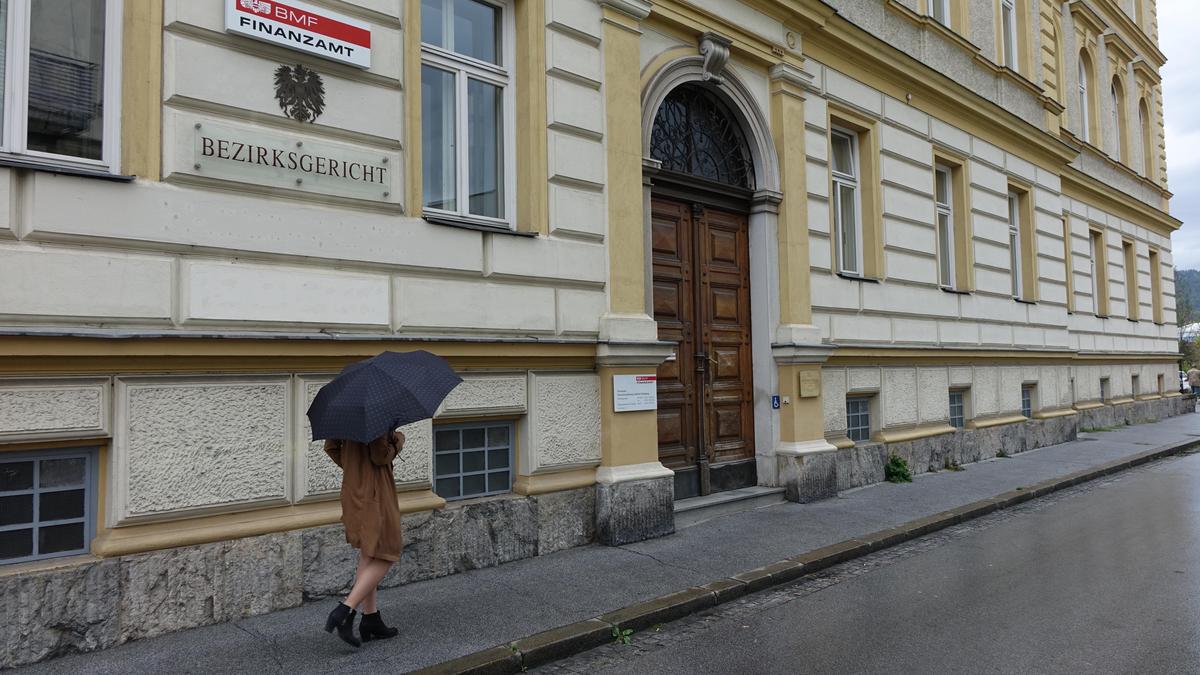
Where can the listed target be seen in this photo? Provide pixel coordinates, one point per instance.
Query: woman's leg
(370, 573)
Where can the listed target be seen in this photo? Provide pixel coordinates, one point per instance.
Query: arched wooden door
(701, 278)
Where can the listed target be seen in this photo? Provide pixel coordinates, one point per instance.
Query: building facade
(821, 233)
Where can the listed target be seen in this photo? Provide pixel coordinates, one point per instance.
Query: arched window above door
(696, 134)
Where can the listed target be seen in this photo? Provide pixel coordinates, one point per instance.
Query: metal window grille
(1135, 387)
(1027, 401)
(46, 504)
(957, 410)
(1104, 392)
(858, 419)
(472, 460)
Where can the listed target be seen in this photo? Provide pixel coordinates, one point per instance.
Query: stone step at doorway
(699, 509)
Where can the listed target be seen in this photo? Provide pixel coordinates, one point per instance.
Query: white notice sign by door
(635, 392)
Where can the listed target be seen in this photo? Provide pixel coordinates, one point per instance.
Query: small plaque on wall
(635, 392)
(810, 383)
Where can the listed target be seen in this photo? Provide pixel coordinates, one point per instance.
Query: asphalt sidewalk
(571, 599)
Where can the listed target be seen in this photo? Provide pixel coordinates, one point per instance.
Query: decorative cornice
(1143, 67)
(793, 75)
(1114, 42)
(635, 9)
(714, 47)
(1083, 12)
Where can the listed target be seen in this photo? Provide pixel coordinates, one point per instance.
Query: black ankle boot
(372, 628)
(342, 618)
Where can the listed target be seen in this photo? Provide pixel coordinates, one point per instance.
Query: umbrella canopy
(374, 396)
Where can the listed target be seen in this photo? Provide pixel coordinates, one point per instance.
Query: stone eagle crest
(300, 92)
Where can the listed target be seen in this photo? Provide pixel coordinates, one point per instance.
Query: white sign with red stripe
(305, 28)
(635, 392)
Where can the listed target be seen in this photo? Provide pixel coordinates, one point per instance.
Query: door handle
(712, 368)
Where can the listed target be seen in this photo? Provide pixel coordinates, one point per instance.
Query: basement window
(1027, 395)
(472, 460)
(47, 505)
(958, 409)
(858, 418)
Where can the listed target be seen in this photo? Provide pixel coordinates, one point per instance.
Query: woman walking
(372, 520)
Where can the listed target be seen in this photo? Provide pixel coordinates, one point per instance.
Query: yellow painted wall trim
(1120, 401)
(913, 433)
(538, 484)
(1050, 414)
(160, 535)
(413, 200)
(874, 356)
(1173, 394)
(987, 422)
(141, 89)
(1089, 405)
(533, 211)
(1149, 397)
(1128, 28)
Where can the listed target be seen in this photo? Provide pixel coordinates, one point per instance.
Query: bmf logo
(256, 6)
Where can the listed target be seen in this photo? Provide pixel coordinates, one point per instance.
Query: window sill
(478, 227)
(1023, 301)
(955, 291)
(855, 277)
(15, 163)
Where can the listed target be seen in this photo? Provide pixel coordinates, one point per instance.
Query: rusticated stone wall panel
(31, 409)
(565, 419)
(204, 443)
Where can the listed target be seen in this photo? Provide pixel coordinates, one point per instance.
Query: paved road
(1102, 578)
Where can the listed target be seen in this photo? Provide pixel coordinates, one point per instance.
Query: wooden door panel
(725, 298)
(674, 307)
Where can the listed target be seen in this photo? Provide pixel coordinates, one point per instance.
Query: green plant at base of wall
(896, 470)
(621, 635)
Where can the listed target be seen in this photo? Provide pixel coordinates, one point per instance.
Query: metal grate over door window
(472, 460)
(957, 410)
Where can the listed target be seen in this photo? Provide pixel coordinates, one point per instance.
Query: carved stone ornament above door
(715, 50)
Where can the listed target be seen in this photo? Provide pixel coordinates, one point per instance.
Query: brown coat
(369, 508)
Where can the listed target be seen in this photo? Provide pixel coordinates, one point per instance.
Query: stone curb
(565, 641)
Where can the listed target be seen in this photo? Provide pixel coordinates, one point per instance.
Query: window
(847, 208)
(61, 85)
(1068, 262)
(1147, 136)
(1105, 394)
(1085, 112)
(940, 11)
(1019, 247)
(1135, 387)
(466, 117)
(1027, 400)
(46, 508)
(944, 200)
(472, 460)
(1156, 287)
(1008, 38)
(1120, 139)
(1161, 384)
(958, 412)
(858, 418)
(1099, 272)
(1131, 280)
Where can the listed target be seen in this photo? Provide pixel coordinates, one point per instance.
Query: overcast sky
(1178, 32)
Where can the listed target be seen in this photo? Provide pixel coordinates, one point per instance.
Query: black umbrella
(372, 397)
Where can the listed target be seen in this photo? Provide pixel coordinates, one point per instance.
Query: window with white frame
(466, 110)
(61, 82)
(1008, 27)
(940, 11)
(46, 504)
(1094, 244)
(1027, 399)
(847, 207)
(1014, 243)
(1084, 112)
(944, 200)
(1105, 392)
(958, 408)
(1114, 93)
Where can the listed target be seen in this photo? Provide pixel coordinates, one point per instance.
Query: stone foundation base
(635, 510)
(84, 604)
(810, 477)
